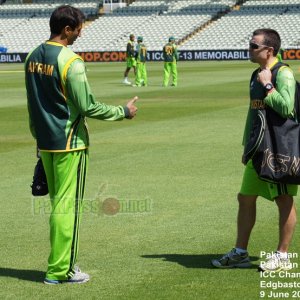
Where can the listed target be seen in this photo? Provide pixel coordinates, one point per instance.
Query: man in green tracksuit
(130, 59)
(264, 47)
(170, 56)
(59, 100)
(141, 78)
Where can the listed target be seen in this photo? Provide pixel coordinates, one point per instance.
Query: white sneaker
(78, 277)
(232, 259)
(125, 81)
(275, 264)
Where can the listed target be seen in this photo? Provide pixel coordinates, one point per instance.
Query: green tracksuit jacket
(60, 99)
(281, 100)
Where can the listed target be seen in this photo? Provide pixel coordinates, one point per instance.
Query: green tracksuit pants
(170, 68)
(141, 74)
(66, 173)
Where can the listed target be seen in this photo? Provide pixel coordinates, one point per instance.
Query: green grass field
(176, 171)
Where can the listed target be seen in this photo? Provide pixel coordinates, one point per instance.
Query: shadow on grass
(29, 275)
(193, 261)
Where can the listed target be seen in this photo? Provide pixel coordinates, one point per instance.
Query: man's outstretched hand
(132, 108)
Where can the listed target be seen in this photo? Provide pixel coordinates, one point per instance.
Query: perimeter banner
(192, 55)
(158, 56)
(291, 54)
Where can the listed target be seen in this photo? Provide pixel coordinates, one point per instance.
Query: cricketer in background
(170, 55)
(130, 59)
(141, 78)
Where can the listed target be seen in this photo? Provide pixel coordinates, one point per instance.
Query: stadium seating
(45, 9)
(154, 20)
(33, 19)
(196, 24)
(234, 29)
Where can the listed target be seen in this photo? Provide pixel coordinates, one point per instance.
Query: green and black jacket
(59, 99)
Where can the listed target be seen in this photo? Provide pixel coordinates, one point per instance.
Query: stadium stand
(196, 24)
(22, 26)
(234, 29)
(154, 20)
(45, 9)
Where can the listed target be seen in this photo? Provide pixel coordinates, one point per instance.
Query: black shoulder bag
(274, 144)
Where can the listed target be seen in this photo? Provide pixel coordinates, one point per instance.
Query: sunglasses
(256, 46)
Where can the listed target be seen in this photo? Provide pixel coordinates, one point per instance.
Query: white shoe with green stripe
(232, 259)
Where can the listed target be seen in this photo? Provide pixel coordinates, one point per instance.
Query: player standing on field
(264, 47)
(171, 57)
(59, 100)
(130, 59)
(141, 78)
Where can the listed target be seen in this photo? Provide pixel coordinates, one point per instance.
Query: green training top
(130, 49)
(141, 53)
(170, 53)
(59, 99)
(280, 100)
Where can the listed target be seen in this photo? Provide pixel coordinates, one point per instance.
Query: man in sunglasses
(263, 49)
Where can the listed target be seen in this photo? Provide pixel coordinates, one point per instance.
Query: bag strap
(274, 71)
(297, 101)
(254, 74)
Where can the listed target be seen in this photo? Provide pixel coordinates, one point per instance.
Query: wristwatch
(268, 87)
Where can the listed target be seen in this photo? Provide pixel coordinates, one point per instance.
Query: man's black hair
(271, 38)
(63, 16)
